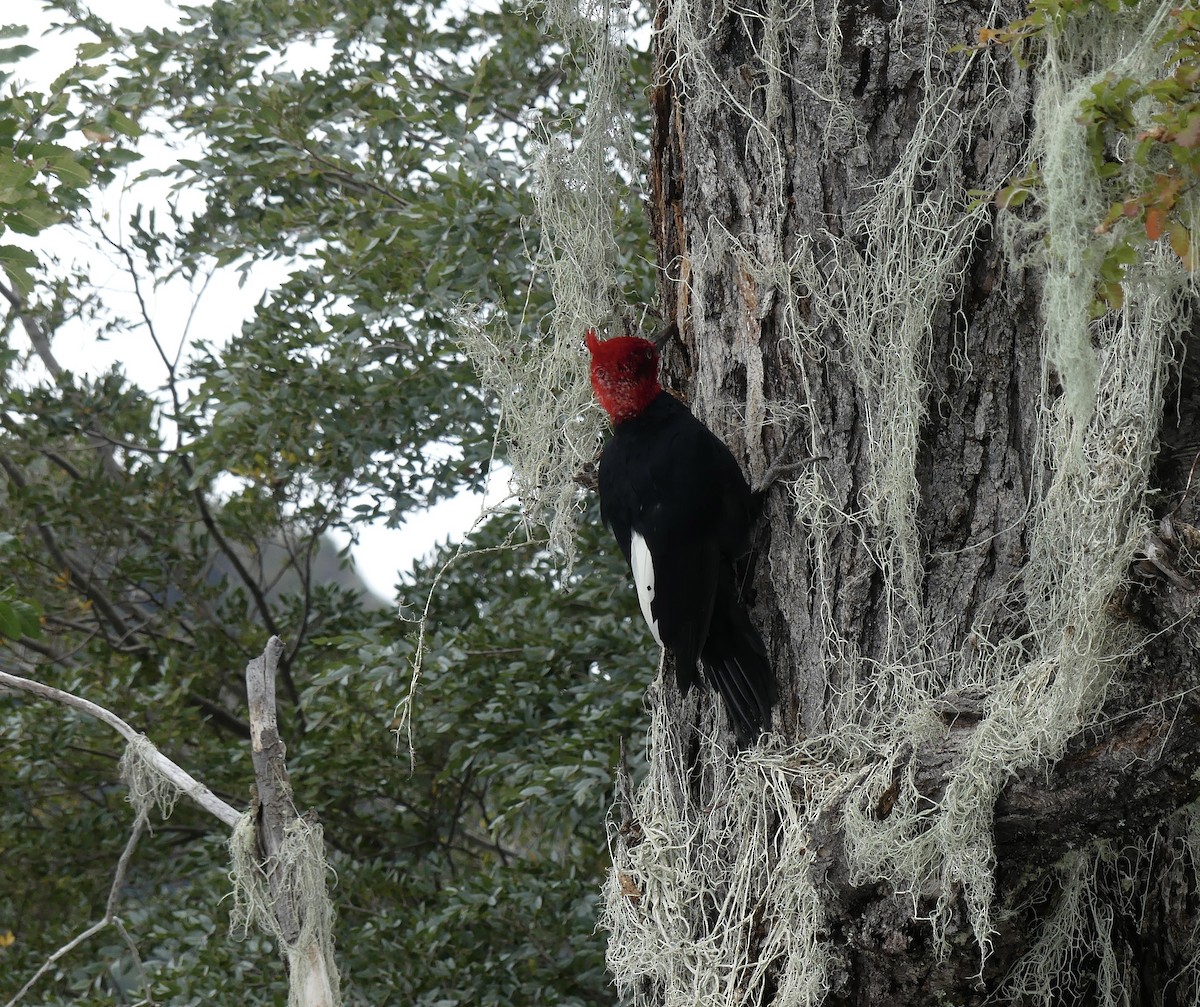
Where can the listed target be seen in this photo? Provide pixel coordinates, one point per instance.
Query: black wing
(666, 477)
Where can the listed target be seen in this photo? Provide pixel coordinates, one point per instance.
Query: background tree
(377, 159)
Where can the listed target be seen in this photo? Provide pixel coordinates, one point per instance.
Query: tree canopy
(375, 158)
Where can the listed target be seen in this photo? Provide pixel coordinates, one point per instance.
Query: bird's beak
(665, 335)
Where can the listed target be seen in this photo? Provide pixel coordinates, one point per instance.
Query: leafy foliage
(1167, 152)
(1143, 134)
(42, 179)
(375, 158)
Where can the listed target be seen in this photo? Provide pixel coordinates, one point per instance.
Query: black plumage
(667, 480)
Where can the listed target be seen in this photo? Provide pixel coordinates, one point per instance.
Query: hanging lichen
(543, 391)
(294, 876)
(148, 788)
(714, 895)
(709, 894)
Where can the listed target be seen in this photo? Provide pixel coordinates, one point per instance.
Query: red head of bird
(624, 374)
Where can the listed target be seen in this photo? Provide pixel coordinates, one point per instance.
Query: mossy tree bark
(742, 219)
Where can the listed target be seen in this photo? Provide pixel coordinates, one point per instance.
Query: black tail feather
(736, 664)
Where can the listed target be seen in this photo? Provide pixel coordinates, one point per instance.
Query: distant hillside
(277, 570)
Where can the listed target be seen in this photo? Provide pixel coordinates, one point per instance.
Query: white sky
(381, 553)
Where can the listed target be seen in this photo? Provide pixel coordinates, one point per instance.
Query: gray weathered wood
(275, 812)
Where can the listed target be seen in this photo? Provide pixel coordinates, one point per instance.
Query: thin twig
(100, 601)
(40, 341)
(66, 949)
(110, 918)
(206, 515)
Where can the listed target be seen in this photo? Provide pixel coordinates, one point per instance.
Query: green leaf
(31, 622)
(10, 621)
(15, 53)
(33, 217)
(91, 50)
(69, 170)
(14, 255)
(15, 179)
(122, 123)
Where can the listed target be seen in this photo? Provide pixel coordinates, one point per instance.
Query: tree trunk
(979, 589)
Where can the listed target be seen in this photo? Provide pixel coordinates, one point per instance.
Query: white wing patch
(642, 564)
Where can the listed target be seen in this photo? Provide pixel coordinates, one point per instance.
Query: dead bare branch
(182, 780)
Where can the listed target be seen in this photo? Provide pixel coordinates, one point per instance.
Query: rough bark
(299, 919)
(1123, 780)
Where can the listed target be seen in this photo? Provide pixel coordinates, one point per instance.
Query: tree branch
(183, 781)
(102, 602)
(206, 514)
(41, 346)
(110, 918)
(1124, 781)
